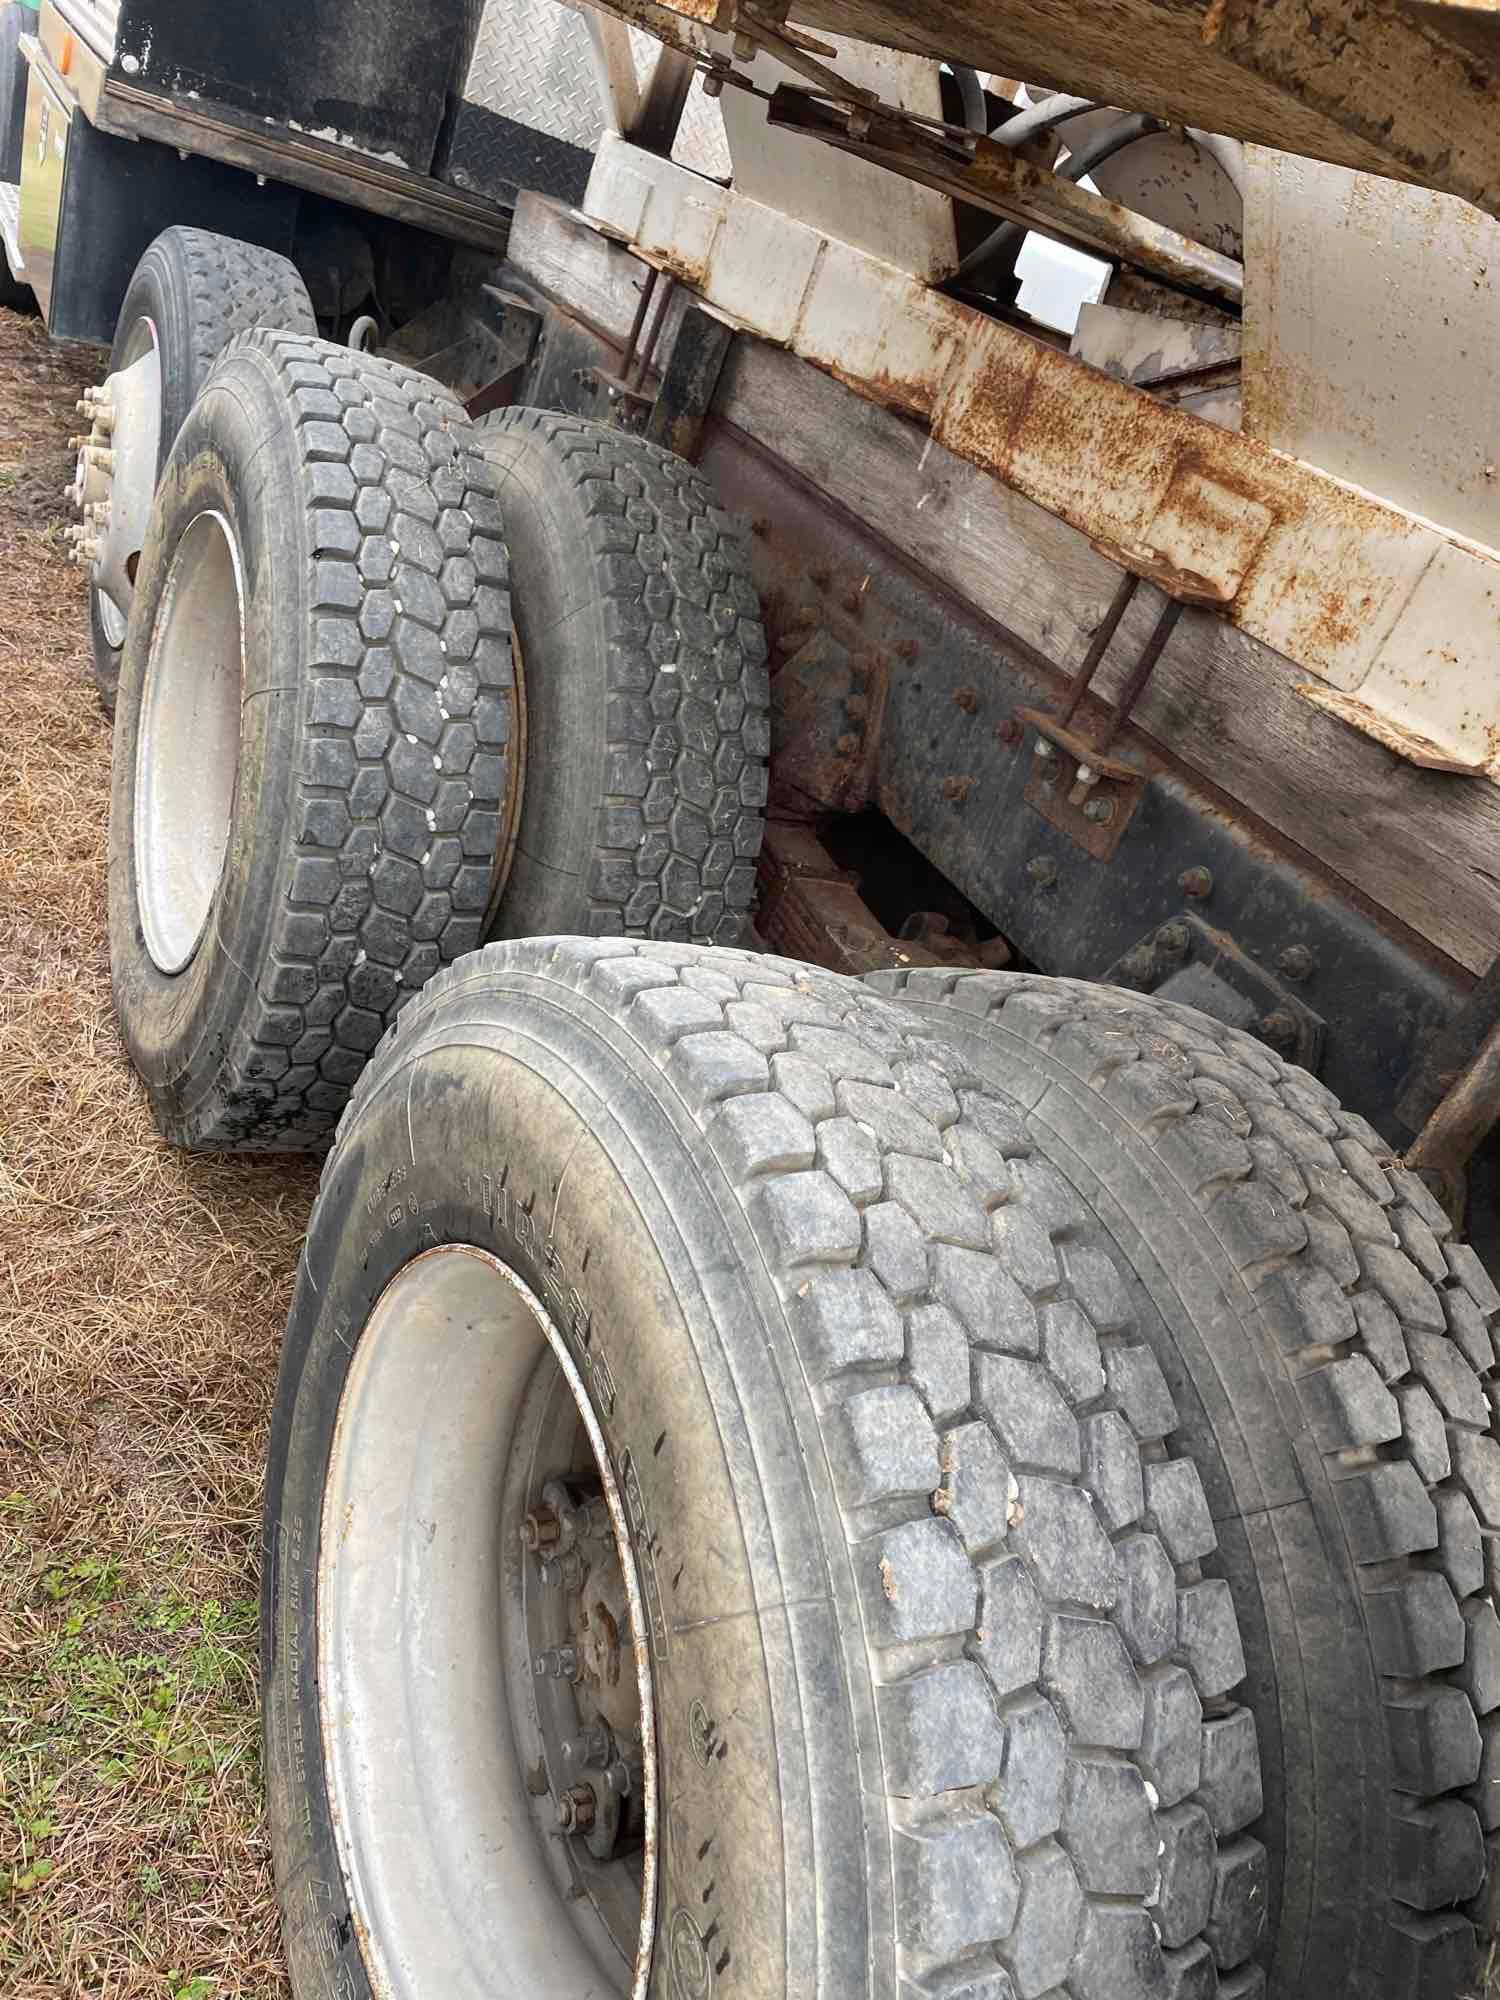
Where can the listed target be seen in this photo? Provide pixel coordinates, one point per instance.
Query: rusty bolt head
(957, 788)
(966, 698)
(575, 1810)
(1009, 732)
(853, 602)
(1173, 939)
(1100, 811)
(1195, 882)
(1043, 870)
(542, 1529)
(1296, 962)
(1279, 1030)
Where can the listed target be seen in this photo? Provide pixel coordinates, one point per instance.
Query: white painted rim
(187, 751)
(460, 1884)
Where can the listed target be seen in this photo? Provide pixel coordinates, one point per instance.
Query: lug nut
(1279, 1030)
(1296, 962)
(1100, 811)
(1173, 939)
(575, 1810)
(1195, 882)
(542, 1528)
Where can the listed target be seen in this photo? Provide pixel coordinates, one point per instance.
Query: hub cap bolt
(542, 1529)
(575, 1810)
(557, 1663)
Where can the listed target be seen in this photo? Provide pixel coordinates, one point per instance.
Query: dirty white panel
(1371, 317)
(851, 200)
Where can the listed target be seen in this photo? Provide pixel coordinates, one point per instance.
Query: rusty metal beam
(1405, 88)
(996, 178)
(1467, 1114)
(1388, 610)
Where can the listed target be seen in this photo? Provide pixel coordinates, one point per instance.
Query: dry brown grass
(142, 1297)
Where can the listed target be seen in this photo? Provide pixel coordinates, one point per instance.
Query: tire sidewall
(559, 622)
(763, 1767)
(177, 1026)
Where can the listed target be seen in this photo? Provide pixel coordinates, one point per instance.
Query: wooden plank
(1416, 843)
(572, 261)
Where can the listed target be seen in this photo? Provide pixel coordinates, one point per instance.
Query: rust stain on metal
(1407, 743)
(966, 698)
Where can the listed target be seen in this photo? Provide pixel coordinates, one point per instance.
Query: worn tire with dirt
(371, 763)
(644, 665)
(196, 290)
(1331, 1349)
(947, 1705)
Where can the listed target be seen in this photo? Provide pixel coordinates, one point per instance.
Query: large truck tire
(312, 755)
(647, 696)
(189, 296)
(1331, 1350)
(725, 1525)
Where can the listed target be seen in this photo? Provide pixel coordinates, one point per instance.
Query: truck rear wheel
(646, 688)
(188, 297)
(693, 1339)
(1331, 1350)
(312, 768)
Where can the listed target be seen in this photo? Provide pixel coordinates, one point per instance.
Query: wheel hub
(115, 479)
(587, 1696)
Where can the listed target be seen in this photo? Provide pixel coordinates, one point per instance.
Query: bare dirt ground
(142, 1298)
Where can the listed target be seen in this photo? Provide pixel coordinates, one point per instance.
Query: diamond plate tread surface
(532, 64)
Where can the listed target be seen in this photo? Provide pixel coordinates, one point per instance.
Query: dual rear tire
(1019, 1397)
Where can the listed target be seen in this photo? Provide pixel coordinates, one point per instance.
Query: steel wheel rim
(461, 1881)
(187, 750)
(135, 441)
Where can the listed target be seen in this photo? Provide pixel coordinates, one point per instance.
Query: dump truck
(819, 687)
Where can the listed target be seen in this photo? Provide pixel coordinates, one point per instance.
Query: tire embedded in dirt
(312, 759)
(1331, 1349)
(647, 695)
(945, 1702)
(192, 292)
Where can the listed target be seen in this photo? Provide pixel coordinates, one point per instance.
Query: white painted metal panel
(1372, 323)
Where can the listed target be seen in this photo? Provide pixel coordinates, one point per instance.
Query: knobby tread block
(405, 735)
(1015, 1630)
(237, 286)
(1386, 1326)
(688, 724)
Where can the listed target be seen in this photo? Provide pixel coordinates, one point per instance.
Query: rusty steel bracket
(1189, 961)
(1077, 784)
(674, 413)
(972, 168)
(1089, 797)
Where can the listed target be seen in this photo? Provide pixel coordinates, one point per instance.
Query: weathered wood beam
(1405, 88)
